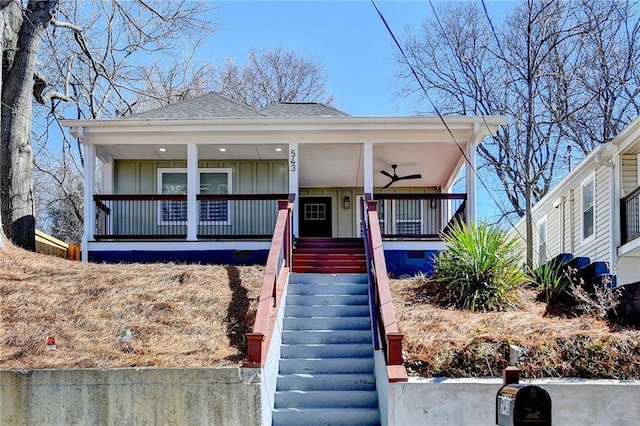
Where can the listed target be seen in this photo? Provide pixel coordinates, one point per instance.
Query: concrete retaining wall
(232, 396)
(199, 396)
(472, 402)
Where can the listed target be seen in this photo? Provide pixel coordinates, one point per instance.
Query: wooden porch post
(89, 189)
(192, 191)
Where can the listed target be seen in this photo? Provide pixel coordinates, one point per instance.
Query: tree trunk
(10, 21)
(17, 159)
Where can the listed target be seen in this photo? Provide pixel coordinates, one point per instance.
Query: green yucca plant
(480, 268)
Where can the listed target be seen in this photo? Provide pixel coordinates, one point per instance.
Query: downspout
(571, 221)
(615, 194)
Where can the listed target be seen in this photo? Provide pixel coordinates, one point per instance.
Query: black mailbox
(522, 404)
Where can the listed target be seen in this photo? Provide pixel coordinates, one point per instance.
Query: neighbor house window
(542, 241)
(588, 208)
(211, 182)
(408, 215)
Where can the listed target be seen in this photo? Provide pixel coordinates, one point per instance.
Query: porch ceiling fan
(394, 177)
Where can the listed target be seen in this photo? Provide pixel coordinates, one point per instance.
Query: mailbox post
(519, 404)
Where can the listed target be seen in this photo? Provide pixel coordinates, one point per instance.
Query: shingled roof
(214, 105)
(302, 109)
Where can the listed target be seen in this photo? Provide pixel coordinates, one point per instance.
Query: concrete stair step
(321, 350)
(327, 323)
(304, 311)
(326, 336)
(328, 299)
(326, 416)
(326, 366)
(295, 289)
(326, 382)
(326, 399)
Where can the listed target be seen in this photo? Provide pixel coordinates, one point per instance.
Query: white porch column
(89, 184)
(294, 183)
(368, 168)
(192, 190)
(470, 174)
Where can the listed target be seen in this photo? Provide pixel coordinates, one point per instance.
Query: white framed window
(588, 208)
(211, 181)
(541, 246)
(408, 217)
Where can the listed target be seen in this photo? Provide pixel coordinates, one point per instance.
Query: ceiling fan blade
(388, 185)
(416, 176)
(387, 174)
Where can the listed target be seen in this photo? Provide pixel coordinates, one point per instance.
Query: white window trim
(162, 170)
(588, 180)
(539, 239)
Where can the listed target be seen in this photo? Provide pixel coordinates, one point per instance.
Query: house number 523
(292, 161)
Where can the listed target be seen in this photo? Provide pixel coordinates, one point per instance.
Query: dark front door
(315, 216)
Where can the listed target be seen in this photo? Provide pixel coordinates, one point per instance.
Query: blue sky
(347, 36)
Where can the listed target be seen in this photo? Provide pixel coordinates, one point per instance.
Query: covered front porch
(208, 189)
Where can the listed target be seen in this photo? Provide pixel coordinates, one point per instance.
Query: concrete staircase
(326, 373)
(330, 255)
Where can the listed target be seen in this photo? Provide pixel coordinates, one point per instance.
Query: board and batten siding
(136, 177)
(346, 222)
(247, 177)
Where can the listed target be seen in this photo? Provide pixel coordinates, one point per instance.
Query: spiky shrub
(555, 282)
(479, 271)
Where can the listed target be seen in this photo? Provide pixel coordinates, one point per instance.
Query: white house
(594, 212)
(199, 180)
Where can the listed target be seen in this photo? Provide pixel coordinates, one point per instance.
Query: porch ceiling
(330, 149)
(342, 165)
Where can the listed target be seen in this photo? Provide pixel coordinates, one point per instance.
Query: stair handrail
(275, 278)
(383, 303)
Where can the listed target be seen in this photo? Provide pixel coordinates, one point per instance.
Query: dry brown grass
(450, 342)
(179, 315)
(195, 315)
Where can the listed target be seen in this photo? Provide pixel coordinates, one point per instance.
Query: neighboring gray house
(594, 211)
(199, 180)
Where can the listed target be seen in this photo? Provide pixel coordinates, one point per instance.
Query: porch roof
(333, 145)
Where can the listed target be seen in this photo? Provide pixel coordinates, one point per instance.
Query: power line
(470, 167)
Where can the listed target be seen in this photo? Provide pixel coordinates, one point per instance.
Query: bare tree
(537, 69)
(85, 68)
(166, 83)
(271, 76)
(10, 19)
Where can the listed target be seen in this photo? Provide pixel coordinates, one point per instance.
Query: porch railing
(630, 216)
(418, 216)
(276, 277)
(382, 312)
(157, 216)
